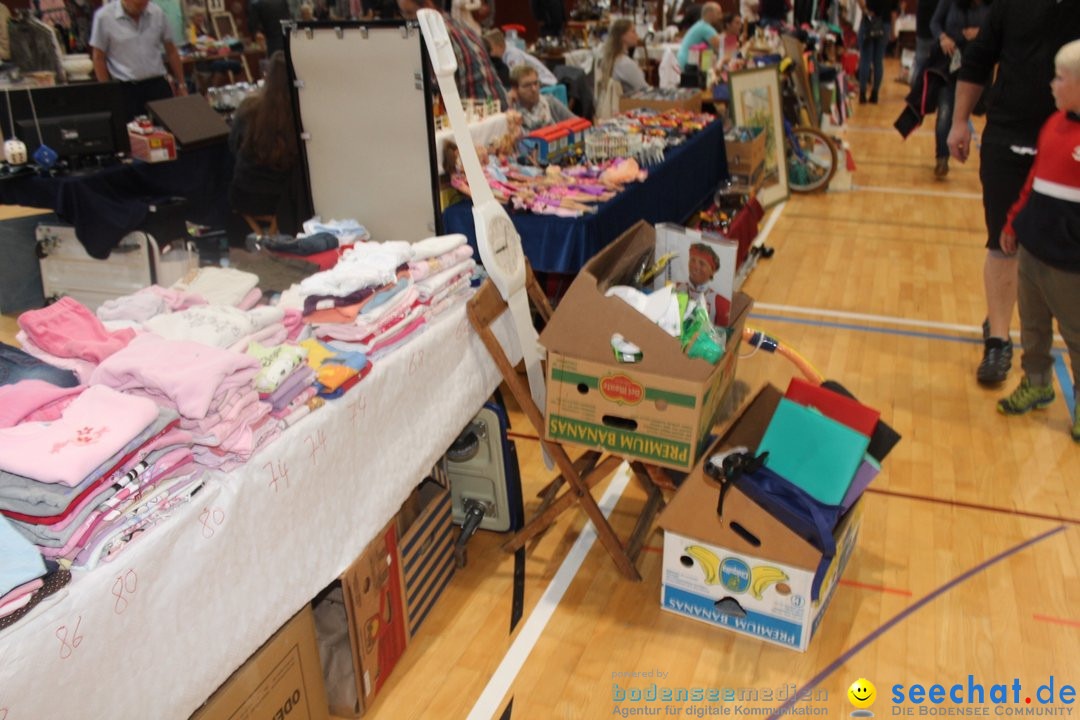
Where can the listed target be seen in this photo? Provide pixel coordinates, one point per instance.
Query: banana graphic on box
(762, 576)
(710, 564)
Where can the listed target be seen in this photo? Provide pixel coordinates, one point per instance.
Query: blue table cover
(674, 189)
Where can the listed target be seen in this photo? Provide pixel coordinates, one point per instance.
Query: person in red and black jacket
(1045, 223)
(1020, 38)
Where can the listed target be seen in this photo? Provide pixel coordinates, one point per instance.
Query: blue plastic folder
(812, 451)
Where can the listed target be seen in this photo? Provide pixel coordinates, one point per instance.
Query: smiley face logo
(862, 695)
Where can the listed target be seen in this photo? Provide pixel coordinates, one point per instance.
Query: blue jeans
(872, 50)
(15, 365)
(944, 120)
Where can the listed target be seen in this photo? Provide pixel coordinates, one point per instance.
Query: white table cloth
(153, 633)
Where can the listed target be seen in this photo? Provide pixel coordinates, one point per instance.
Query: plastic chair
(558, 90)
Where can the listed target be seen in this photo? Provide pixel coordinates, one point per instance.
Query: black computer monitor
(80, 119)
(71, 135)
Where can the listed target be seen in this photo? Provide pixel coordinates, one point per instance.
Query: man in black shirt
(1021, 38)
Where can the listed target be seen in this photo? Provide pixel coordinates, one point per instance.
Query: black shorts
(1003, 173)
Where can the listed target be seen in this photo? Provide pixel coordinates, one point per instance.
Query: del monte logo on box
(621, 389)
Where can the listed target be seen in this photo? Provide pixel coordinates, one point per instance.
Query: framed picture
(755, 98)
(224, 25)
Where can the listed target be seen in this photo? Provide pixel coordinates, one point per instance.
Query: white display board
(368, 131)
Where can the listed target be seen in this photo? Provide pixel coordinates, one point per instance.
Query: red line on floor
(976, 506)
(1057, 621)
(650, 548)
(879, 588)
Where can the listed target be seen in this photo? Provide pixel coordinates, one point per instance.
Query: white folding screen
(365, 116)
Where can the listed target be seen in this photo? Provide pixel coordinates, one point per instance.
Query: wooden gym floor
(968, 560)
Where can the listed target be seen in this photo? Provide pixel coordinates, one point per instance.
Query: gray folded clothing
(30, 497)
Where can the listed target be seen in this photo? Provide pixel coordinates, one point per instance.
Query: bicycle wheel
(811, 160)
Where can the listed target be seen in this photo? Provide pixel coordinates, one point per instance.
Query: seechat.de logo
(862, 695)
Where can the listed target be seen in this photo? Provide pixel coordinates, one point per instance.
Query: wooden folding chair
(583, 474)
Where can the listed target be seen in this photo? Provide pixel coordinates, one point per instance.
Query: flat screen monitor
(96, 111)
(71, 135)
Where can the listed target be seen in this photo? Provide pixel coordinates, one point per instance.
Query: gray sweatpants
(1046, 293)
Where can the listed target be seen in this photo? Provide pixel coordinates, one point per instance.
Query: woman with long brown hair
(264, 141)
(616, 72)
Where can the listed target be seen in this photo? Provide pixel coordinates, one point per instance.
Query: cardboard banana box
(744, 570)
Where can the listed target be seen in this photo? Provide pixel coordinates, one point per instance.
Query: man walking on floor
(1021, 37)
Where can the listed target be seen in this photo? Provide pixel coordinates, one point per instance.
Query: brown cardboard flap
(585, 320)
(692, 511)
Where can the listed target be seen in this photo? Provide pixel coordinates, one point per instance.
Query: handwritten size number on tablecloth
(279, 473)
(315, 445)
(69, 641)
(210, 519)
(123, 588)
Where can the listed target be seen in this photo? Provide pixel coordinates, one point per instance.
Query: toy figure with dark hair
(702, 265)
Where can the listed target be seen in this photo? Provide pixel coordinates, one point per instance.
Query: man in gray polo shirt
(128, 41)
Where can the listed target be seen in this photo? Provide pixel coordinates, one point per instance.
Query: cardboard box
(750, 183)
(426, 528)
(158, 146)
(659, 410)
(375, 615)
(282, 679)
(745, 557)
(744, 158)
(647, 99)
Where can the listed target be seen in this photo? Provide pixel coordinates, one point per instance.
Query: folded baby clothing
(21, 562)
(138, 308)
(98, 423)
(269, 336)
(77, 367)
(302, 378)
(180, 374)
(361, 266)
(68, 329)
(33, 501)
(277, 364)
(215, 325)
(175, 299)
(421, 269)
(219, 286)
(433, 284)
(347, 232)
(56, 579)
(435, 246)
(34, 400)
(251, 299)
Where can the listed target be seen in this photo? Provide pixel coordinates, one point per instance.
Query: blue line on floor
(903, 614)
(1065, 381)
(865, 328)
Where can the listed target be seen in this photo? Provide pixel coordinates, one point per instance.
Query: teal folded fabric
(812, 451)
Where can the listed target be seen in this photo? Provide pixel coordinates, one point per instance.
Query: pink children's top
(34, 400)
(94, 427)
(184, 375)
